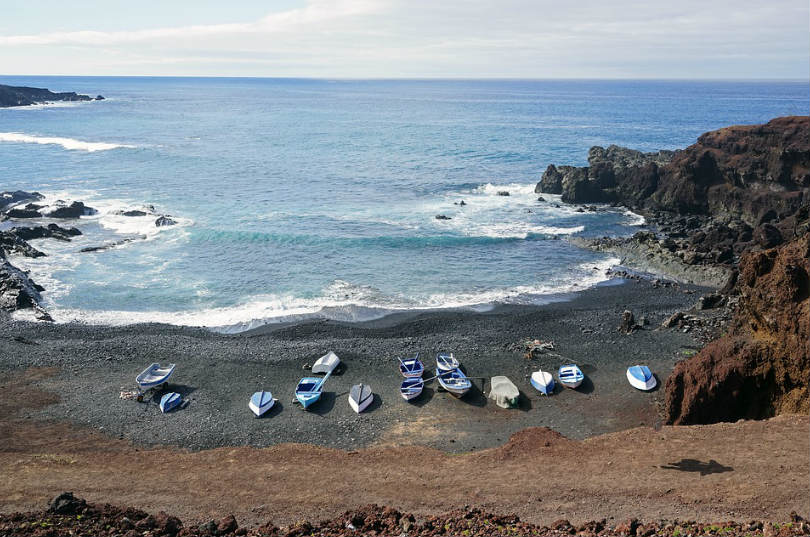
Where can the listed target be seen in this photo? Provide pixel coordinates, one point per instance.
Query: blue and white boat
(641, 378)
(455, 382)
(446, 361)
(411, 367)
(542, 381)
(170, 401)
(411, 388)
(570, 376)
(153, 376)
(261, 402)
(309, 390)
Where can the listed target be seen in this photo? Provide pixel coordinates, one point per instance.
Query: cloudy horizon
(398, 39)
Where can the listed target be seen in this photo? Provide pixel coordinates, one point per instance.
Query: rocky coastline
(731, 211)
(26, 96)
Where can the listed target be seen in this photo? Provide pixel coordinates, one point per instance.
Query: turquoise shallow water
(317, 197)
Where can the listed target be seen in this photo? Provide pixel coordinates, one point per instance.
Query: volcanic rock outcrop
(25, 96)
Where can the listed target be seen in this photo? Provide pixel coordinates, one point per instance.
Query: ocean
(317, 198)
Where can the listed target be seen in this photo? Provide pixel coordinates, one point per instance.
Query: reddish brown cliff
(762, 366)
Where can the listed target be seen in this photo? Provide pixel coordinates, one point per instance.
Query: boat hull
(411, 368)
(643, 384)
(570, 376)
(446, 362)
(411, 389)
(307, 400)
(154, 376)
(360, 397)
(261, 402)
(455, 388)
(543, 383)
(170, 401)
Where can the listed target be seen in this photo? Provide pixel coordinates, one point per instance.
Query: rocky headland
(26, 96)
(731, 211)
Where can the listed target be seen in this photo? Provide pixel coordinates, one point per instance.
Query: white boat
(153, 376)
(411, 367)
(454, 382)
(542, 381)
(170, 401)
(411, 388)
(446, 361)
(641, 378)
(261, 402)
(504, 392)
(570, 376)
(360, 397)
(326, 363)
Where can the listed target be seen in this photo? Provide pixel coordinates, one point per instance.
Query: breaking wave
(67, 143)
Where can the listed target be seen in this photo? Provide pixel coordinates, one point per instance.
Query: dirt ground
(740, 471)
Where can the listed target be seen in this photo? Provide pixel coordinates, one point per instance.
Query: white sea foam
(345, 302)
(67, 143)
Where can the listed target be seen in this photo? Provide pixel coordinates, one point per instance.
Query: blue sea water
(299, 198)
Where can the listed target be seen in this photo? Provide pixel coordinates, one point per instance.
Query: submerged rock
(442, 217)
(74, 210)
(164, 221)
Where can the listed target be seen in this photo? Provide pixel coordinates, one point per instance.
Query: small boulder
(74, 210)
(164, 221)
(442, 217)
(628, 324)
(23, 213)
(766, 235)
(503, 193)
(99, 98)
(133, 212)
(66, 504)
(227, 525)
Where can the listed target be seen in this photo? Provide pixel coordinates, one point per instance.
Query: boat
(543, 382)
(411, 367)
(326, 363)
(454, 382)
(446, 361)
(504, 392)
(309, 390)
(261, 402)
(153, 376)
(570, 376)
(170, 401)
(360, 397)
(411, 388)
(640, 377)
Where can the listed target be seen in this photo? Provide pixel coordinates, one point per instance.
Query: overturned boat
(261, 402)
(326, 363)
(542, 381)
(170, 401)
(641, 378)
(360, 397)
(504, 392)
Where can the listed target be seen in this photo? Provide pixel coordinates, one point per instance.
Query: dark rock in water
(99, 98)
(442, 217)
(767, 236)
(628, 324)
(11, 242)
(551, 182)
(23, 213)
(41, 232)
(74, 210)
(580, 210)
(25, 96)
(541, 198)
(133, 212)
(17, 290)
(109, 245)
(459, 203)
(164, 221)
(16, 197)
(503, 193)
(67, 504)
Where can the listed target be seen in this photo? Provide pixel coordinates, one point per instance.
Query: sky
(731, 39)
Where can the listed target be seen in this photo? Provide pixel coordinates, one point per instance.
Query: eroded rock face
(762, 367)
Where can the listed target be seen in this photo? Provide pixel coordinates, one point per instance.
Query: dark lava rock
(66, 504)
(42, 232)
(74, 210)
(503, 193)
(767, 236)
(133, 212)
(23, 213)
(628, 324)
(16, 197)
(11, 242)
(710, 301)
(25, 96)
(551, 182)
(227, 525)
(541, 198)
(442, 217)
(99, 98)
(164, 221)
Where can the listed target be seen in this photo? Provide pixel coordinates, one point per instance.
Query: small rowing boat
(454, 382)
(170, 401)
(641, 378)
(446, 361)
(411, 367)
(542, 381)
(261, 402)
(411, 388)
(309, 390)
(570, 376)
(326, 363)
(153, 376)
(360, 397)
